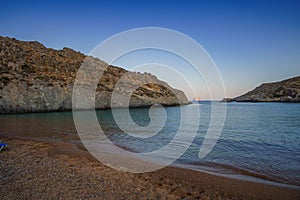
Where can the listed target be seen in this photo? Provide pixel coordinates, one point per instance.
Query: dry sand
(57, 170)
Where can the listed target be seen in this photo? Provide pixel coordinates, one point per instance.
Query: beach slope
(59, 170)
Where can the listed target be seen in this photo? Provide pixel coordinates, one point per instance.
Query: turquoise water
(258, 139)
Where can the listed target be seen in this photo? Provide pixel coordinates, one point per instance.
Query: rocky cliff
(34, 78)
(283, 91)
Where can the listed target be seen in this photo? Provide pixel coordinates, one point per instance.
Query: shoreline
(60, 110)
(240, 174)
(212, 168)
(34, 168)
(227, 171)
(215, 169)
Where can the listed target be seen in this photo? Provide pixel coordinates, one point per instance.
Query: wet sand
(58, 170)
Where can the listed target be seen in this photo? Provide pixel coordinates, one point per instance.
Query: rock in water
(34, 78)
(227, 100)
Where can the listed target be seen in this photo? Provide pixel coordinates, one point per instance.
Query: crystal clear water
(258, 139)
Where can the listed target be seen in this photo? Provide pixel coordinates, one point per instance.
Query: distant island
(34, 78)
(283, 91)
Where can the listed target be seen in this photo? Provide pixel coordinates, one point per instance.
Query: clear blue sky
(250, 41)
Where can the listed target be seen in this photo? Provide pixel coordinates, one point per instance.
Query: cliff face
(34, 78)
(282, 91)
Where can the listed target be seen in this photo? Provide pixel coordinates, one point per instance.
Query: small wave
(231, 171)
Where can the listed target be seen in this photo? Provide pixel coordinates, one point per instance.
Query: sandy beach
(58, 170)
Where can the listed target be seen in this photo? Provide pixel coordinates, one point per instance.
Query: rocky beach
(32, 169)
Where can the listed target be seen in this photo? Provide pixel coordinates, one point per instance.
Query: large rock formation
(34, 78)
(283, 91)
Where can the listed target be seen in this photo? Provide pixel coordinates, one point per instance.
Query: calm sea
(259, 141)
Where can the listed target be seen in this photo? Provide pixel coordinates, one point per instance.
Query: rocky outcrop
(283, 91)
(34, 78)
(227, 100)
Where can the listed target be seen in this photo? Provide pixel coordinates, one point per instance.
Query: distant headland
(283, 91)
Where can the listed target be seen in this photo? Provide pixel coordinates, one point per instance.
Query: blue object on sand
(2, 145)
